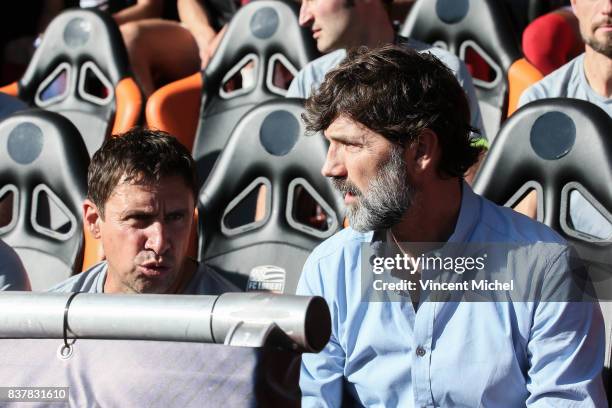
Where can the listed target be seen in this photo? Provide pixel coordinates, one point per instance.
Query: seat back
(81, 70)
(480, 33)
(264, 34)
(43, 181)
(268, 155)
(552, 40)
(562, 149)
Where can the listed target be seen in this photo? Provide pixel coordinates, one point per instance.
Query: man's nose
(157, 238)
(334, 164)
(305, 14)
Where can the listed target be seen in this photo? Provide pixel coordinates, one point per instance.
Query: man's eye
(175, 217)
(138, 218)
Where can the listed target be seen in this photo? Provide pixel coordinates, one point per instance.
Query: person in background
(587, 77)
(340, 24)
(166, 44)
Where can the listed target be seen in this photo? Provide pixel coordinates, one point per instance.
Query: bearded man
(587, 77)
(398, 126)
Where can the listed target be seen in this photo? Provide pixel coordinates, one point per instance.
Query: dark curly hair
(398, 92)
(141, 155)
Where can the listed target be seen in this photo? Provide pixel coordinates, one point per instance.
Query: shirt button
(420, 351)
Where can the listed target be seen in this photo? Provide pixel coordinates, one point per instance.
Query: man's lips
(604, 26)
(349, 197)
(153, 269)
(316, 32)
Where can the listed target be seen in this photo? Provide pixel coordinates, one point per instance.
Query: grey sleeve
(530, 94)
(13, 275)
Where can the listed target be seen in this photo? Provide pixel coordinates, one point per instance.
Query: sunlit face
(145, 235)
(595, 18)
(331, 22)
(370, 172)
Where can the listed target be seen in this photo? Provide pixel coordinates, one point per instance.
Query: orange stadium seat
(81, 70)
(43, 181)
(481, 34)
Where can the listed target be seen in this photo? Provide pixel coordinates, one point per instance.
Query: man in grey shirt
(341, 24)
(140, 204)
(587, 77)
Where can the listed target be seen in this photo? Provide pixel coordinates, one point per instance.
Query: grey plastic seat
(43, 181)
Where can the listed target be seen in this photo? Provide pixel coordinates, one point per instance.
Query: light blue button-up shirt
(460, 354)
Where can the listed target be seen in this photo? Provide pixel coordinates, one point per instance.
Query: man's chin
(151, 285)
(357, 221)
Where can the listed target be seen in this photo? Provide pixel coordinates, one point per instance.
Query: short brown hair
(141, 155)
(398, 92)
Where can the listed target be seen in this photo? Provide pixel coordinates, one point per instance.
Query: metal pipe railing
(210, 319)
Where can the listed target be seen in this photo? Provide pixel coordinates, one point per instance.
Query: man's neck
(433, 216)
(598, 72)
(372, 26)
(384, 34)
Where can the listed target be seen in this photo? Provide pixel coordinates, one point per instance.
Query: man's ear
(424, 151)
(92, 218)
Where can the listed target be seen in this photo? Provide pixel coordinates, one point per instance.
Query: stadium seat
(537, 8)
(552, 40)
(562, 149)
(43, 181)
(81, 70)
(522, 12)
(174, 108)
(263, 48)
(267, 152)
(480, 33)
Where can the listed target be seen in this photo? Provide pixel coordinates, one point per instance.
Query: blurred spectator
(162, 49)
(587, 77)
(552, 40)
(340, 24)
(12, 273)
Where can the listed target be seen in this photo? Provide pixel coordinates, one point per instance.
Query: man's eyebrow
(137, 213)
(339, 137)
(178, 211)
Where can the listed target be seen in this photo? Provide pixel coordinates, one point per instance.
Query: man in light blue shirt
(398, 150)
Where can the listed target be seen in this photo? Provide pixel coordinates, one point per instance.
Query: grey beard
(388, 197)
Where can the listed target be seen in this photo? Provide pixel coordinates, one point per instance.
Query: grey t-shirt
(206, 281)
(12, 273)
(313, 74)
(570, 81)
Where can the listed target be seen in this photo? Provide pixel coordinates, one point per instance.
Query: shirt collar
(469, 214)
